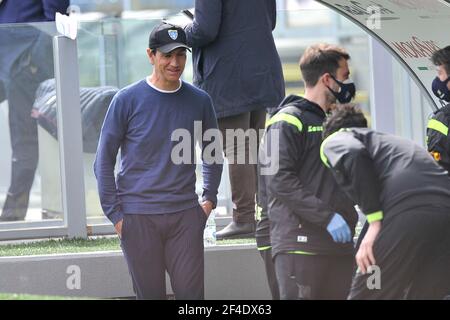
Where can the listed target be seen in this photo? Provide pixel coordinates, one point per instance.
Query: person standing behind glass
(236, 62)
(25, 61)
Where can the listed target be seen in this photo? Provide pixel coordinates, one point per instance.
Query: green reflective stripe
(258, 213)
(287, 118)
(315, 129)
(303, 252)
(376, 216)
(438, 126)
(264, 248)
(322, 154)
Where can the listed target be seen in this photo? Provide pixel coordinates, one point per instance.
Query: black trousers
(266, 255)
(30, 70)
(153, 244)
(412, 253)
(243, 178)
(313, 277)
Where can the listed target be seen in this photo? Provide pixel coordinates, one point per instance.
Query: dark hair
(320, 59)
(344, 116)
(442, 58)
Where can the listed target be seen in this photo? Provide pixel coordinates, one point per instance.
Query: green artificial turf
(59, 246)
(79, 245)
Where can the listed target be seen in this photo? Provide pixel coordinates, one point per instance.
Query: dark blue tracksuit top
(141, 121)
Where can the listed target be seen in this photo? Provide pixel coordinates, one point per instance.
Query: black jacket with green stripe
(384, 174)
(296, 190)
(438, 141)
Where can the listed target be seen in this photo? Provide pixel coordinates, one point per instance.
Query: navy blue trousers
(154, 243)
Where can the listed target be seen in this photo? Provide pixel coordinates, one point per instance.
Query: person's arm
(438, 142)
(212, 159)
(52, 6)
(365, 256)
(354, 171)
(284, 183)
(206, 25)
(111, 137)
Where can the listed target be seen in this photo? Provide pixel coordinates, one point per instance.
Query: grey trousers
(154, 243)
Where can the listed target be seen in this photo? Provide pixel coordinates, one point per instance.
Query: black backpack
(437, 136)
(94, 105)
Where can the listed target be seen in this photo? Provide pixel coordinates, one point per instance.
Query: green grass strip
(59, 246)
(79, 245)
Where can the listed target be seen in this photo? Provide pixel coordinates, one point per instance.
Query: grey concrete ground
(231, 272)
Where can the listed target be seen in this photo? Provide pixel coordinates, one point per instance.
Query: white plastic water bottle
(209, 234)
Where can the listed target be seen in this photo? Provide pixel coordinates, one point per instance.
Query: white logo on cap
(173, 34)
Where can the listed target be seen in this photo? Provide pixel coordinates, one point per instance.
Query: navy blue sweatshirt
(140, 121)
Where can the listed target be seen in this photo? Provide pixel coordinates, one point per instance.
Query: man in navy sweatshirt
(152, 202)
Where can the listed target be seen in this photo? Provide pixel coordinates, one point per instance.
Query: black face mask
(346, 92)
(440, 89)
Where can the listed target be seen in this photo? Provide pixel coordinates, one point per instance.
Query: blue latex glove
(339, 229)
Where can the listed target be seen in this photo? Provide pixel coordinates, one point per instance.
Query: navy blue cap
(166, 38)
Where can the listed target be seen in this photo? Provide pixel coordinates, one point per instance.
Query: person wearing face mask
(437, 130)
(311, 220)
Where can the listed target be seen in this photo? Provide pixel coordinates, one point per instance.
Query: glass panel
(412, 107)
(112, 56)
(112, 52)
(30, 181)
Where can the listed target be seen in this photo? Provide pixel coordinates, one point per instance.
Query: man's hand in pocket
(207, 207)
(118, 227)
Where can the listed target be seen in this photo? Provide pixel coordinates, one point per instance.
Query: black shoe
(237, 230)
